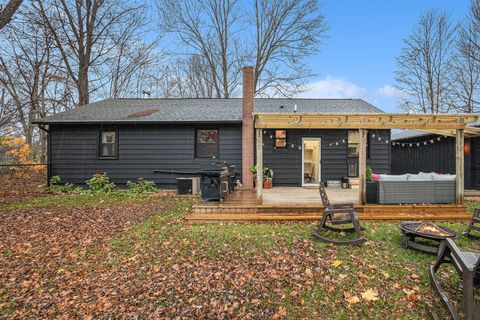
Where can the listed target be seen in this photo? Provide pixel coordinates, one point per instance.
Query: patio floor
(307, 196)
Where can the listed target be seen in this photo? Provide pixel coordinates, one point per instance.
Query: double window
(108, 144)
(206, 145)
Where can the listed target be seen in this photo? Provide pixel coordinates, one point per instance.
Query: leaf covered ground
(120, 256)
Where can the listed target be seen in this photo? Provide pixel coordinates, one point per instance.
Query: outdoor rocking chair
(473, 226)
(338, 214)
(467, 265)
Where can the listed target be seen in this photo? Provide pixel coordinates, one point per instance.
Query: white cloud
(335, 87)
(388, 91)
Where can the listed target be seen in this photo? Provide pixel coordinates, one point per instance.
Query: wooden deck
(243, 206)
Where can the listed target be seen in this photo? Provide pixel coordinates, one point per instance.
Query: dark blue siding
(144, 148)
(287, 162)
(141, 150)
(437, 157)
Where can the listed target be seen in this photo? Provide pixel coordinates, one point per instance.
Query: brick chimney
(248, 130)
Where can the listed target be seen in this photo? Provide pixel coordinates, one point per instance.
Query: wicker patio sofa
(416, 188)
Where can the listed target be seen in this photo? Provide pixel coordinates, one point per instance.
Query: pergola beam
(259, 164)
(362, 166)
(362, 121)
(459, 165)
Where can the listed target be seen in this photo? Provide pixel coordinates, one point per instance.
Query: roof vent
(146, 94)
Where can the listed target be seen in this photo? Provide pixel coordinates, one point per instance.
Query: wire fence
(18, 181)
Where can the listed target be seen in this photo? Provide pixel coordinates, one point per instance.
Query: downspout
(49, 169)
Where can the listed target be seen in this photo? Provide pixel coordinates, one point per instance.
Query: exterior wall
(435, 157)
(141, 150)
(286, 163)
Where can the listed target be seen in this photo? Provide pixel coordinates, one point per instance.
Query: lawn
(121, 256)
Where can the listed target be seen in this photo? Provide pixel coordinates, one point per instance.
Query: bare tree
(6, 110)
(465, 64)
(31, 75)
(280, 34)
(286, 32)
(135, 51)
(83, 31)
(422, 74)
(7, 12)
(210, 29)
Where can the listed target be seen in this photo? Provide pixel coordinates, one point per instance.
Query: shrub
(57, 187)
(100, 183)
(141, 186)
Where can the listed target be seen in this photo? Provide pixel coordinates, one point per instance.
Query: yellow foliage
(17, 148)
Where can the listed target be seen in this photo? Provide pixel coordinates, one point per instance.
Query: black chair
(473, 226)
(467, 265)
(338, 214)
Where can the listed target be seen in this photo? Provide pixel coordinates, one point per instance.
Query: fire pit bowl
(411, 230)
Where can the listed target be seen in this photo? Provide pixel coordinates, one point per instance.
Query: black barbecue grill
(215, 184)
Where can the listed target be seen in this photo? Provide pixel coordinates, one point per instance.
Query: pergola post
(362, 165)
(459, 165)
(259, 163)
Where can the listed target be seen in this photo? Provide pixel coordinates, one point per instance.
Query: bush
(141, 186)
(57, 187)
(100, 183)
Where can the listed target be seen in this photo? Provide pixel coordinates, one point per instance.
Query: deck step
(312, 209)
(224, 217)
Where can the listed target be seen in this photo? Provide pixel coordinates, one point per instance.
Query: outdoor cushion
(419, 177)
(443, 177)
(392, 177)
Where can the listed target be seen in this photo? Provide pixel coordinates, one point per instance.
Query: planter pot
(371, 192)
(267, 184)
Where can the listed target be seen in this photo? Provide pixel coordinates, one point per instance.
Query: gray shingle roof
(200, 110)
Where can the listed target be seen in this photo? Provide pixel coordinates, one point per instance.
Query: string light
(417, 144)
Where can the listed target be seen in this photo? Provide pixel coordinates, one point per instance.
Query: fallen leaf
(370, 295)
(350, 298)
(336, 263)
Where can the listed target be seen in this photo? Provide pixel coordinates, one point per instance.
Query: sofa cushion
(419, 177)
(392, 177)
(443, 177)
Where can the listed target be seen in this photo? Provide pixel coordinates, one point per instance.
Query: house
(131, 138)
(416, 151)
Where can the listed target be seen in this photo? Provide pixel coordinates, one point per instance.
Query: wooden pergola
(444, 124)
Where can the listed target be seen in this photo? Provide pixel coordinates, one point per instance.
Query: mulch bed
(37, 244)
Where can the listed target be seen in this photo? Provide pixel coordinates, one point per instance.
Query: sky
(357, 60)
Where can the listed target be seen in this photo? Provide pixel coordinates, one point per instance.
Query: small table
(425, 230)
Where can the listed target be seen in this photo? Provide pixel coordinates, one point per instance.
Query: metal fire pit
(411, 230)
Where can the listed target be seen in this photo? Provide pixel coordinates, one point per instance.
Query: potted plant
(253, 170)
(267, 178)
(371, 186)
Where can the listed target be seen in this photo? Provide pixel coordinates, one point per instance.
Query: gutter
(49, 150)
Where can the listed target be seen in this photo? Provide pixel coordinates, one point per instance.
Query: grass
(383, 261)
(72, 200)
(382, 264)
